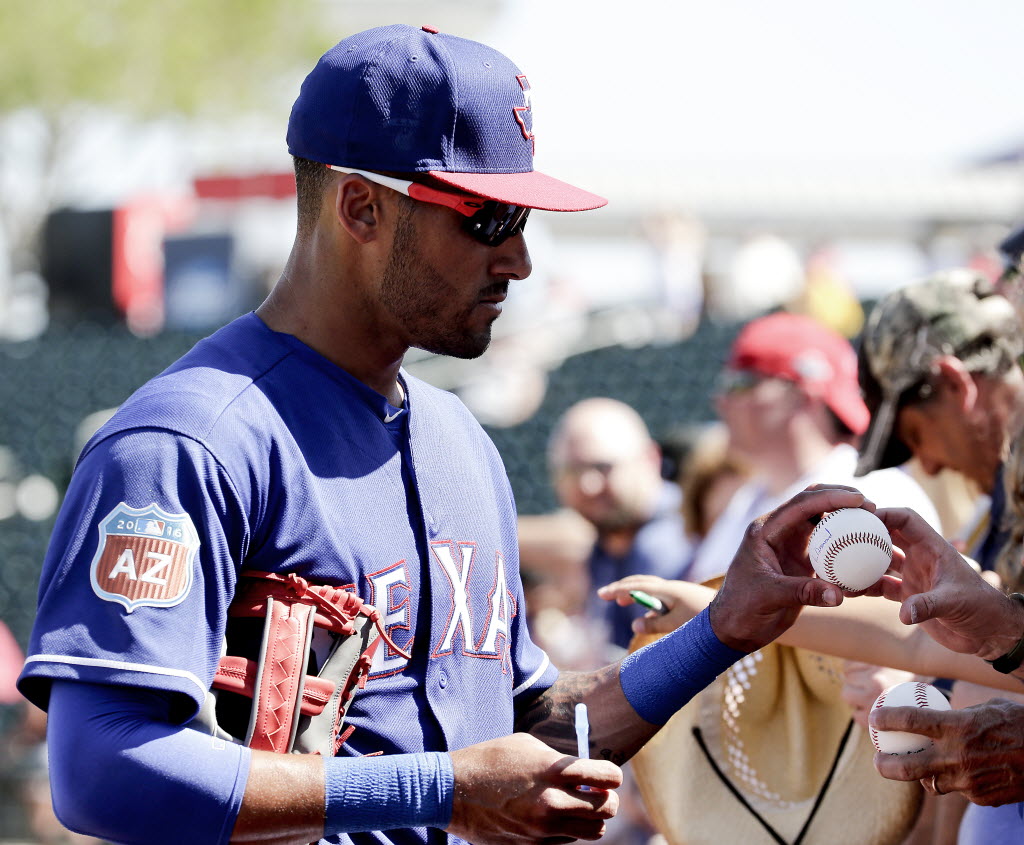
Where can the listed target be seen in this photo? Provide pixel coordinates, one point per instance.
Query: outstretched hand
(771, 578)
(864, 682)
(517, 790)
(940, 590)
(976, 751)
(682, 599)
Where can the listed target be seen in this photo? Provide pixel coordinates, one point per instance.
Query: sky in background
(668, 89)
(785, 84)
(717, 86)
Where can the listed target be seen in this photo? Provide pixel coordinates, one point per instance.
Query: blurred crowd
(916, 399)
(924, 409)
(921, 409)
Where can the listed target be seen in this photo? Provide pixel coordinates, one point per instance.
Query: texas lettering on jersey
(481, 606)
(144, 557)
(391, 595)
(493, 616)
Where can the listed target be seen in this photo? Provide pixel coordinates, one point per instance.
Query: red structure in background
(137, 257)
(278, 186)
(141, 225)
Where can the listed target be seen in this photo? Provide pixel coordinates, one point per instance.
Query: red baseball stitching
(920, 699)
(843, 542)
(880, 702)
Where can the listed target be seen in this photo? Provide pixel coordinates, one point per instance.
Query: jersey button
(442, 680)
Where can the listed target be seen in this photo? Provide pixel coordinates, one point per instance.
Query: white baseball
(909, 694)
(850, 547)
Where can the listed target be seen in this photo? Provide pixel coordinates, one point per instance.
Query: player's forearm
(283, 800)
(863, 628)
(616, 731)
(302, 797)
(628, 702)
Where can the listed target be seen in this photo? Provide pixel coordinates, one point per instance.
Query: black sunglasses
(488, 221)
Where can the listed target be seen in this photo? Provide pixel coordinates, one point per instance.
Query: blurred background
(798, 154)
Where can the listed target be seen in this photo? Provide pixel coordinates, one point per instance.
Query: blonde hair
(708, 462)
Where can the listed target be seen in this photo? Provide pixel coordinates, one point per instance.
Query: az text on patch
(144, 557)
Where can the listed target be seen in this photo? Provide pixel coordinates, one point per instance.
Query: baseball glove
(272, 691)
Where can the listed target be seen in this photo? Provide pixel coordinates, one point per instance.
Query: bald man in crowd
(606, 466)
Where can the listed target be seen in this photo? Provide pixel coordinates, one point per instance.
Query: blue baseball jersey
(253, 451)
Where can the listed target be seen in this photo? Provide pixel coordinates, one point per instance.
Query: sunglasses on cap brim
(740, 381)
(488, 221)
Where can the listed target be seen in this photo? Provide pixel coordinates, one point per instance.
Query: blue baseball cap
(414, 100)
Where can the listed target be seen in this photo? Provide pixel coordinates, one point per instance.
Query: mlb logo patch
(145, 557)
(154, 527)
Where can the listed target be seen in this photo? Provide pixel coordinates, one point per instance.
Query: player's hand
(864, 682)
(943, 593)
(518, 790)
(683, 600)
(771, 578)
(978, 751)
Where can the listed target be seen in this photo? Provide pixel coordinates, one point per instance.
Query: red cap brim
(532, 189)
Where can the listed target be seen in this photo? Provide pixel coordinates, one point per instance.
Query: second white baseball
(909, 694)
(851, 548)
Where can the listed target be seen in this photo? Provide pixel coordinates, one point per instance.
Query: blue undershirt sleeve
(661, 677)
(121, 771)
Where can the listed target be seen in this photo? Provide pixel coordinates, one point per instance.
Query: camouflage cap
(1012, 246)
(955, 312)
(1009, 283)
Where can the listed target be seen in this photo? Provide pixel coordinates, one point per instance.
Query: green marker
(649, 601)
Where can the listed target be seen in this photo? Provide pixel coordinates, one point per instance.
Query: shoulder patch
(144, 557)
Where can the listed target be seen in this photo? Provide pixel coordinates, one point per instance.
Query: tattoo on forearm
(617, 757)
(550, 716)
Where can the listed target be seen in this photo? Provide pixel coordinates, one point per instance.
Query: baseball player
(286, 489)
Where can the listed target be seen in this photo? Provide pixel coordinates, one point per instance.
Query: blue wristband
(388, 792)
(661, 677)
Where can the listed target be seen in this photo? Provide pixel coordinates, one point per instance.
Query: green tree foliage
(64, 63)
(149, 57)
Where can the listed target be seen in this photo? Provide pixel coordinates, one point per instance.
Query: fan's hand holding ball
(851, 548)
(910, 694)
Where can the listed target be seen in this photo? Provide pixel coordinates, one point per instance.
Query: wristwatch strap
(1015, 656)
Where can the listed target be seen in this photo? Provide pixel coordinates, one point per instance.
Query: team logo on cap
(812, 366)
(144, 557)
(520, 111)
